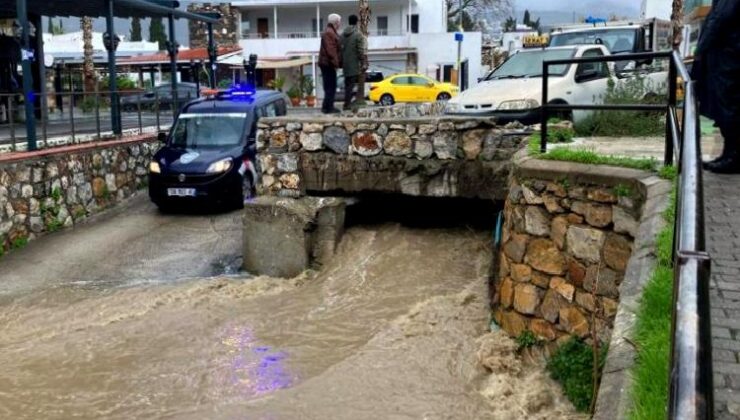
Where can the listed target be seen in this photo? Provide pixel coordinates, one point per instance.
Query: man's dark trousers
(350, 84)
(329, 77)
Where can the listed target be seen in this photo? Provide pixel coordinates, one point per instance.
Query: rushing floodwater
(391, 329)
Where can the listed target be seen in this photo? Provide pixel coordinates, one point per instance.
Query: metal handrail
(69, 124)
(691, 394)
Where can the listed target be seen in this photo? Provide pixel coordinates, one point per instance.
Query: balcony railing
(310, 34)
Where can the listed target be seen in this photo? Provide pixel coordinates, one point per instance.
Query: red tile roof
(182, 56)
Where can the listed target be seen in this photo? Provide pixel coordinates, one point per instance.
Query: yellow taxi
(411, 88)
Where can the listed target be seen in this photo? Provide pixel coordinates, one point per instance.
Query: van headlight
(452, 107)
(154, 167)
(518, 105)
(222, 165)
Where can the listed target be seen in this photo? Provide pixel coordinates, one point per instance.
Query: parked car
(209, 154)
(163, 93)
(370, 77)
(411, 88)
(513, 91)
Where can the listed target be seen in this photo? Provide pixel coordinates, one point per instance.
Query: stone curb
(614, 400)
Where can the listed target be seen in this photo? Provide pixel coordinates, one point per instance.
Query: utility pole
(364, 22)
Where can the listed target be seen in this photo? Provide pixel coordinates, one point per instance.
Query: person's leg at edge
(329, 78)
(730, 163)
(349, 91)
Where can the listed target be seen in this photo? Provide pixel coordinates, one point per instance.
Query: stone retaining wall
(567, 240)
(425, 156)
(45, 192)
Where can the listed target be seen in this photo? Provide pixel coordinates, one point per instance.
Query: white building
(660, 9)
(69, 47)
(405, 35)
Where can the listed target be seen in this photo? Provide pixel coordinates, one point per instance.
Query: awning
(238, 61)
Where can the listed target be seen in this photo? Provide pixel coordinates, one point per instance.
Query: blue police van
(209, 154)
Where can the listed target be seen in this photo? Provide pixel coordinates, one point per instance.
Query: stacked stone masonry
(431, 156)
(564, 254)
(44, 194)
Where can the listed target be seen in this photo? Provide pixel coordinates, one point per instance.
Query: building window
(382, 25)
(314, 28)
(414, 23)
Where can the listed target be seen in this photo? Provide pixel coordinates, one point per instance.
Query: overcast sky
(579, 6)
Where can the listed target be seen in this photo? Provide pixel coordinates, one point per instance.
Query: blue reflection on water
(256, 370)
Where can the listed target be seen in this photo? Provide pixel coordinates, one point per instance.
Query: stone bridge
(303, 161)
(417, 156)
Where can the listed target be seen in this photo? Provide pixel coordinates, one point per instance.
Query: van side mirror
(162, 137)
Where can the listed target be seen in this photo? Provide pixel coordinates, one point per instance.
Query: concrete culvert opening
(421, 212)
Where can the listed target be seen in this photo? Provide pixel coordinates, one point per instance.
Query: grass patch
(573, 365)
(19, 242)
(581, 155)
(652, 333)
(526, 339)
(593, 158)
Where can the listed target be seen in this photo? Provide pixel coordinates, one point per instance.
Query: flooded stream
(395, 327)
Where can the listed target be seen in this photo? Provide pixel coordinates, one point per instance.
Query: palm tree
(364, 16)
(677, 21)
(88, 67)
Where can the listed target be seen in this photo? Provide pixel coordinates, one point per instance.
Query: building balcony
(311, 34)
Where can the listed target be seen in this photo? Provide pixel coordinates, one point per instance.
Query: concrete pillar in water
(285, 236)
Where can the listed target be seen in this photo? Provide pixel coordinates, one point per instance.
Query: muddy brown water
(394, 328)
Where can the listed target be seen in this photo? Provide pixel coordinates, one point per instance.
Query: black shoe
(730, 165)
(335, 111)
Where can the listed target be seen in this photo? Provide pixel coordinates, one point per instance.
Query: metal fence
(691, 390)
(77, 117)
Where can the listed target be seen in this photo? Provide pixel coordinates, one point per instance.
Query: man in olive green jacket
(354, 59)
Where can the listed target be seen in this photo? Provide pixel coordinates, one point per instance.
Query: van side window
(271, 110)
(601, 69)
(282, 108)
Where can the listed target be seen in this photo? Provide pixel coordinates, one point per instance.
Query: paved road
(130, 244)
(722, 205)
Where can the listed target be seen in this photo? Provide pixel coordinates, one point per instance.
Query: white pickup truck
(513, 91)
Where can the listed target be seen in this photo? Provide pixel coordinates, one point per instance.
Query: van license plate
(181, 192)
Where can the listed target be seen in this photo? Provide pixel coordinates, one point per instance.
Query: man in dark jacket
(330, 59)
(354, 59)
(717, 71)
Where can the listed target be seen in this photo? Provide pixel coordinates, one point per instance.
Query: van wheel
(387, 100)
(444, 96)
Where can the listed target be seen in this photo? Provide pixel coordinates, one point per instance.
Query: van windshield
(208, 130)
(529, 64)
(616, 40)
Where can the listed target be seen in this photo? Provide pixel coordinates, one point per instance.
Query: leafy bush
(572, 365)
(122, 83)
(634, 90)
(89, 103)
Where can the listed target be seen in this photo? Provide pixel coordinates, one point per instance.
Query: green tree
(510, 25)
(527, 18)
(156, 33)
(136, 29)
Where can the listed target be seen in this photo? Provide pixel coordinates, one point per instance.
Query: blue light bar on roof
(241, 89)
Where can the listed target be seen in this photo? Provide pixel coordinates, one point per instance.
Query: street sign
(458, 36)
